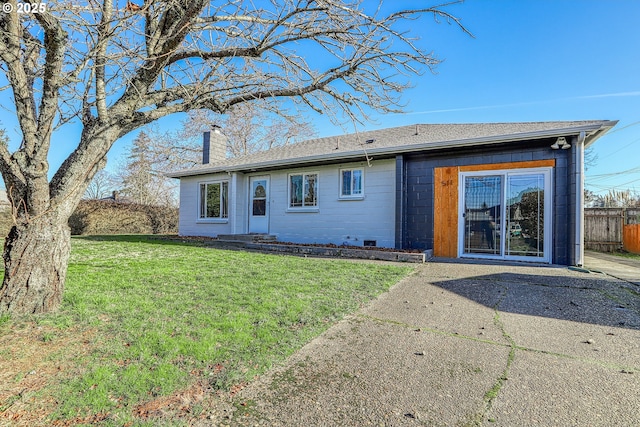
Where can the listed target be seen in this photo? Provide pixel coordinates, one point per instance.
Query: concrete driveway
(466, 344)
(619, 267)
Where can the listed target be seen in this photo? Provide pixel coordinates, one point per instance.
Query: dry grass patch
(33, 359)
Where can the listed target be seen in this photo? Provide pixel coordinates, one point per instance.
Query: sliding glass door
(482, 214)
(525, 216)
(504, 214)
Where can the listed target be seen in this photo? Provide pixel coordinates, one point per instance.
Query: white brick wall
(189, 224)
(335, 221)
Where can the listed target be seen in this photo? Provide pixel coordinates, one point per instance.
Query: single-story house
(508, 191)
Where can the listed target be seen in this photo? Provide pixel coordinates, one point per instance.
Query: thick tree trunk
(35, 258)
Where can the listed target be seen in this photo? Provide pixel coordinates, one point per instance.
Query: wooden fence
(631, 238)
(604, 228)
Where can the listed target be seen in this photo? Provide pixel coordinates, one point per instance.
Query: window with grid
(351, 183)
(303, 190)
(214, 200)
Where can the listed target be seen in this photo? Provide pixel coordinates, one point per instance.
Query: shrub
(6, 220)
(109, 217)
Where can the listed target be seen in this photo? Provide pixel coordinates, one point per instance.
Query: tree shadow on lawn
(594, 299)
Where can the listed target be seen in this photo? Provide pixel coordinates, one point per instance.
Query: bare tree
(114, 69)
(137, 177)
(101, 186)
(590, 158)
(141, 182)
(248, 127)
(592, 199)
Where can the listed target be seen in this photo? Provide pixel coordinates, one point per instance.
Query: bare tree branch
(247, 128)
(101, 60)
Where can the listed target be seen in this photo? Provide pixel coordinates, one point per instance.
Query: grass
(627, 255)
(151, 329)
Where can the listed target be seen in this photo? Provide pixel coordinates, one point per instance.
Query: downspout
(579, 180)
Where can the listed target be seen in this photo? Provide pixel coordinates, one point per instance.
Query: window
(351, 183)
(303, 190)
(214, 200)
(259, 198)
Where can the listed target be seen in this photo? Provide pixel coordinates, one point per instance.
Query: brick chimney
(214, 146)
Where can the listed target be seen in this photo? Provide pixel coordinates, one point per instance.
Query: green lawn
(627, 255)
(144, 320)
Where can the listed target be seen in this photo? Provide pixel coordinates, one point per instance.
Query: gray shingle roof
(411, 138)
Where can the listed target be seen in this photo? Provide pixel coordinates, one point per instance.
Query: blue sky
(541, 60)
(530, 60)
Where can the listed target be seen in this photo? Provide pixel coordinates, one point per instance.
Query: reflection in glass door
(525, 215)
(482, 214)
(505, 214)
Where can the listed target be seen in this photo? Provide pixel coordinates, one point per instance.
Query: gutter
(578, 162)
(592, 132)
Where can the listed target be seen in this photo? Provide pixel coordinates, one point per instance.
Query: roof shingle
(416, 137)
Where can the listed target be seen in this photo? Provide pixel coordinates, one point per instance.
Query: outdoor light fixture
(561, 142)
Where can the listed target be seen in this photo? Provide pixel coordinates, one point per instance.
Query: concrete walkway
(616, 266)
(465, 344)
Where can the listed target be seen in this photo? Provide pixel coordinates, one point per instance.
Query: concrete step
(251, 237)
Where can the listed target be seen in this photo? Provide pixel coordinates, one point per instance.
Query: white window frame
(548, 217)
(303, 208)
(358, 196)
(221, 218)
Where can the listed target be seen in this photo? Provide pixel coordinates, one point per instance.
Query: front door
(259, 204)
(506, 214)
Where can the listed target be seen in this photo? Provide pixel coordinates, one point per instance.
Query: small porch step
(251, 237)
